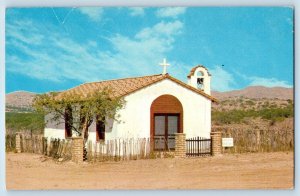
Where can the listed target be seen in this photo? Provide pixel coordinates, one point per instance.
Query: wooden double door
(165, 127)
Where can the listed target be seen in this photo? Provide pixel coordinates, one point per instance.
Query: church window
(68, 121)
(100, 130)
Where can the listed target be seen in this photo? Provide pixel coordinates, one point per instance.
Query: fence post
(180, 150)
(216, 143)
(44, 143)
(77, 149)
(258, 140)
(18, 143)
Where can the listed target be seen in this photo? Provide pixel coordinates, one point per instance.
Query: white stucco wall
(135, 117)
(54, 133)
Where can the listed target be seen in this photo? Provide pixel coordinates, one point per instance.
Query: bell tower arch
(199, 78)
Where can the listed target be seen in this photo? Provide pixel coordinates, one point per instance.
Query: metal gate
(198, 146)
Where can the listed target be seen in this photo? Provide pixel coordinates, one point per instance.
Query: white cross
(164, 64)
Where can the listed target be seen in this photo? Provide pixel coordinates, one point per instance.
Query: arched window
(166, 120)
(200, 73)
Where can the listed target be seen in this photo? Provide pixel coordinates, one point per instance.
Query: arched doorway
(166, 117)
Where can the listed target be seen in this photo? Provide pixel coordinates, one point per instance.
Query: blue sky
(51, 49)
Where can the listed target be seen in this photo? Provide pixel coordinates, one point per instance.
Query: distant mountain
(23, 99)
(257, 92)
(19, 100)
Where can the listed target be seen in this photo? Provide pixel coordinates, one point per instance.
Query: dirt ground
(235, 171)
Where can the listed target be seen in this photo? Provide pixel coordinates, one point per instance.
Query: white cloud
(137, 11)
(268, 82)
(263, 81)
(94, 13)
(58, 58)
(161, 29)
(17, 31)
(143, 52)
(172, 12)
(222, 80)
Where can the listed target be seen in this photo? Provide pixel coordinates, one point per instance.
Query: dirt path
(240, 171)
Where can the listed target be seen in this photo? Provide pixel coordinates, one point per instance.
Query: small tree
(99, 105)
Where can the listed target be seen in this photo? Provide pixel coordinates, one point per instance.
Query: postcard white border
(58, 3)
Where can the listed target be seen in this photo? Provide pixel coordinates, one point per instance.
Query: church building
(156, 107)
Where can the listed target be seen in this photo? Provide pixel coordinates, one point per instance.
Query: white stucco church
(157, 106)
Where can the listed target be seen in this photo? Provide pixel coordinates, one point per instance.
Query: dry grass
(260, 140)
(38, 144)
(243, 103)
(259, 136)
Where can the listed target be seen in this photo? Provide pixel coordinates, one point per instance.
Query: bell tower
(199, 78)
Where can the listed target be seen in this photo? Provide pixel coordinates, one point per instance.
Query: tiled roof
(194, 69)
(125, 86)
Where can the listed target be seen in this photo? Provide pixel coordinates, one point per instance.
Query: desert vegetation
(250, 139)
(24, 122)
(272, 113)
(245, 103)
(256, 124)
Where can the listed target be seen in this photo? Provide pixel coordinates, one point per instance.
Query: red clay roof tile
(125, 86)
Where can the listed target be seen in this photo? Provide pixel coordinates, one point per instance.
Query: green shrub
(24, 121)
(237, 116)
(249, 102)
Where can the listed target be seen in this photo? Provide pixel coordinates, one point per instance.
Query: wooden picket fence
(252, 140)
(122, 149)
(10, 142)
(59, 149)
(32, 144)
(38, 144)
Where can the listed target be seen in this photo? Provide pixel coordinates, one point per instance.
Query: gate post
(180, 150)
(216, 143)
(77, 149)
(18, 143)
